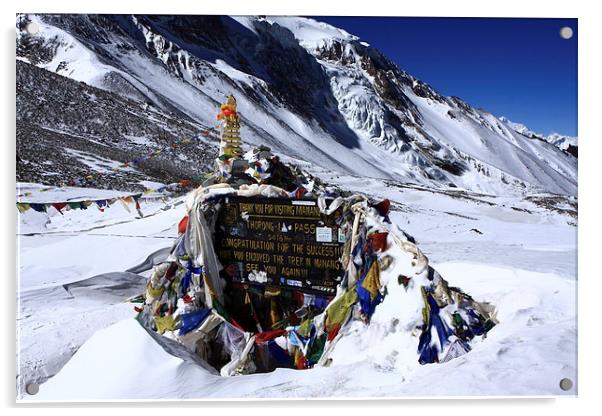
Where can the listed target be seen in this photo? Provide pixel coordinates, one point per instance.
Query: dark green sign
(280, 242)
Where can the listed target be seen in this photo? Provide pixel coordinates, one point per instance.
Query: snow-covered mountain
(306, 89)
(564, 142)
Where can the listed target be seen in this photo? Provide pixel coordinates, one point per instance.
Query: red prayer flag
(59, 206)
(183, 225)
(332, 331)
(379, 241)
(300, 192)
(262, 337)
(383, 207)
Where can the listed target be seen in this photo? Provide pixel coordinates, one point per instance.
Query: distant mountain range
(306, 89)
(567, 143)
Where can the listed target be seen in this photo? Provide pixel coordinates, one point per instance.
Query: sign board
(280, 242)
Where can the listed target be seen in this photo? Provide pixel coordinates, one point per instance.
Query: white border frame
(590, 95)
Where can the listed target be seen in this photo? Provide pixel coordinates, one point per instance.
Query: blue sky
(519, 68)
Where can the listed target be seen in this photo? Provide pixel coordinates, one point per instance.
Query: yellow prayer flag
(305, 328)
(153, 293)
(22, 207)
(372, 281)
(165, 323)
(337, 312)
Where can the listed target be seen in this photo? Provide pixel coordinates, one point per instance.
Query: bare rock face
(67, 130)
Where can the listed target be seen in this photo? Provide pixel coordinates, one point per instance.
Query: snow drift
(526, 354)
(537, 312)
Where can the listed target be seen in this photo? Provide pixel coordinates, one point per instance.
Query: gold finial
(230, 143)
(231, 102)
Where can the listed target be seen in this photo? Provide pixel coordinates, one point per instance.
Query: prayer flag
(22, 207)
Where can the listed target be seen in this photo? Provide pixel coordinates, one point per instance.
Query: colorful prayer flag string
(101, 204)
(174, 146)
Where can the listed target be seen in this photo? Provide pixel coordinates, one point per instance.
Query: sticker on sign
(342, 238)
(307, 203)
(323, 234)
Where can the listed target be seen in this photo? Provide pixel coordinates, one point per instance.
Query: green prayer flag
(316, 349)
(337, 312)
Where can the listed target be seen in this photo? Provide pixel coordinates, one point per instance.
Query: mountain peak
(308, 90)
(561, 141)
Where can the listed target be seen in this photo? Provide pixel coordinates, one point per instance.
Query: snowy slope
(307, 89)
(517, 253)
(525, 355)
(72, 276)
(534, 336)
